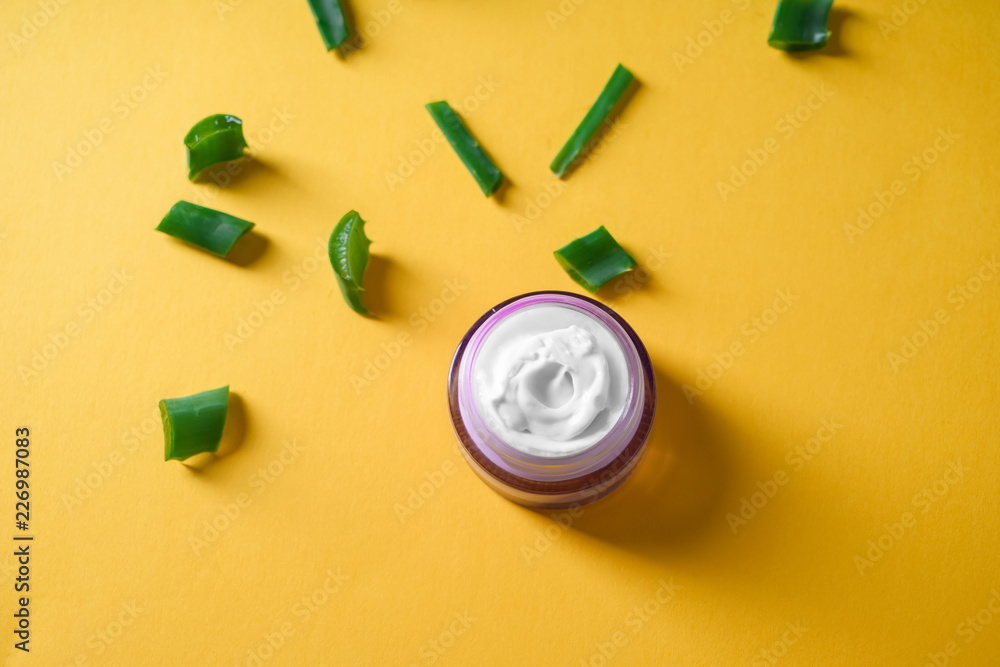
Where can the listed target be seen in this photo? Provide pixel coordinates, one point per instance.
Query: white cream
(550, 380)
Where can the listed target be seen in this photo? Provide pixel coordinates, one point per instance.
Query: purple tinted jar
(553, 481)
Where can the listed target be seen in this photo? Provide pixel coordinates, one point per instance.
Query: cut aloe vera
(193, 424)
(594, 259)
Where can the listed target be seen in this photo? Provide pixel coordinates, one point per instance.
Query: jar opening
(561, 480)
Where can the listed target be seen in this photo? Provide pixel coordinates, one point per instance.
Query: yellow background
(116, 552)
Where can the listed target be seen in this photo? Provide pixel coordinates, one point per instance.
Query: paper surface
(819, 296)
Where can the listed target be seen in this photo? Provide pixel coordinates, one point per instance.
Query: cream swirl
(551, 391)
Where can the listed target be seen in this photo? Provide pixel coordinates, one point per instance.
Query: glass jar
(553, 482)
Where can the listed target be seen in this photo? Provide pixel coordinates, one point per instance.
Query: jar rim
(595, 466)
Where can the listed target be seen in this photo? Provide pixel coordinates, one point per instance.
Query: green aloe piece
(800, 25)
(469, 151)
(203, 227)
(616, 86)
(330, 20)
(193, 424)
(594, 259)
(348, 250)
(218, 138)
